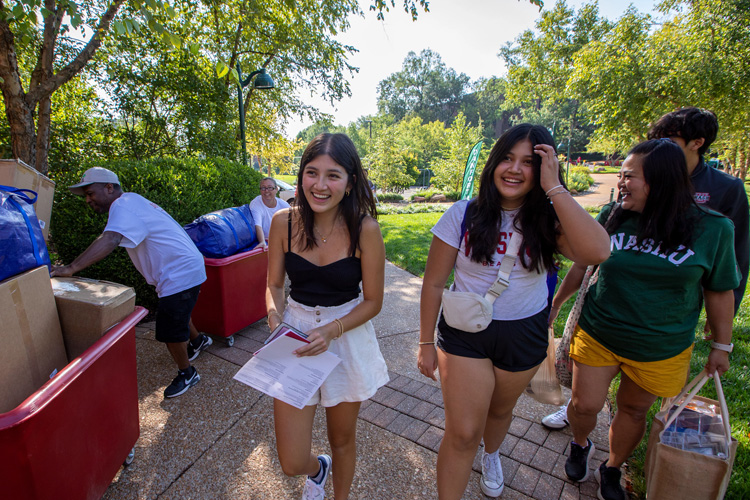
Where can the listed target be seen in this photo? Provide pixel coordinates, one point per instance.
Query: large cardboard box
(19, 175)
(88, 308)
(32, 348)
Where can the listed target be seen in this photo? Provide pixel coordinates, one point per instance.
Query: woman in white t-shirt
(482, 374)
(263, 207)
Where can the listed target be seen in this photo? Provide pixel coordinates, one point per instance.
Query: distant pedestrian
(328, 244)
(483, 374)
(162, 252)
(263, 207)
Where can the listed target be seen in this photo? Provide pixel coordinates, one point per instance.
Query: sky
(468, 35)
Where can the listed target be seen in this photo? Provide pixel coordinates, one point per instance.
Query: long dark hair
(667, 216)
(354, 206)
(536, 218)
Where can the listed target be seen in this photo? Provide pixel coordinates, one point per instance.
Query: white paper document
(275, 371)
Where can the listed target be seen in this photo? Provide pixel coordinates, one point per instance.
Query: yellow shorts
(664, 378)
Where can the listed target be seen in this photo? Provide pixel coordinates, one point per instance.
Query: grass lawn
(407, 241)
(289, 179)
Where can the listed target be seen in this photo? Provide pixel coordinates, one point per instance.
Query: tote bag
(22, 245)
(544, 386)
(675, 473)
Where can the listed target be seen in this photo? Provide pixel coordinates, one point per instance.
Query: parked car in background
(287, 192)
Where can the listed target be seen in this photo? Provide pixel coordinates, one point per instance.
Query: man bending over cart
(162, 252)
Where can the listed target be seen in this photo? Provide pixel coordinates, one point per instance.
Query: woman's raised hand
(549, 176)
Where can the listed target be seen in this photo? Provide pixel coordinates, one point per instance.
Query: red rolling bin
(68, 439)
(234, 294)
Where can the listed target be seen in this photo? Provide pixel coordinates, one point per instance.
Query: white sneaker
(313, 490)
(557, 420)
(492, 475)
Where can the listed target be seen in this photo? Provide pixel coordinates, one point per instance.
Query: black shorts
(513, 346)
(173, 315)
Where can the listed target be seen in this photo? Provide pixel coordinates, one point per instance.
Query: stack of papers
(275, 369)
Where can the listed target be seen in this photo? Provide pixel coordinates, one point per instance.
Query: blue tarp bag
(224, 232)
(22, 245)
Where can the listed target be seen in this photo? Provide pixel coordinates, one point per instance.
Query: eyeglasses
(268, 188)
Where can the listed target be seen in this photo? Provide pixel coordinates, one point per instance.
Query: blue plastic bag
(22, 245)
(224, 232)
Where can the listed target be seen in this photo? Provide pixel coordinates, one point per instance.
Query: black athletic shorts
(173, 315)
(513, 346)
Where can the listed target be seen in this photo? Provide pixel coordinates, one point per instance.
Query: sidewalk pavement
(602, 192)
(217, 442)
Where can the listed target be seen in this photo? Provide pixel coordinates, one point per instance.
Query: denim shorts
(514, 346)
(173, 315)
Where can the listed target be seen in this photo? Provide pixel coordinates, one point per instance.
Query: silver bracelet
(550, 189)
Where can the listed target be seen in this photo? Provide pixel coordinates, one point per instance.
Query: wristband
(722, 347)
(427, 343)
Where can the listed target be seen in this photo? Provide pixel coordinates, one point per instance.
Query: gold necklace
(324, 239)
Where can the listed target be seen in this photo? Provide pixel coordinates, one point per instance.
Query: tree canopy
(425, 87)
(41, 49)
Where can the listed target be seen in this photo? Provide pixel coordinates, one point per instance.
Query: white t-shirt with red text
(527, 293)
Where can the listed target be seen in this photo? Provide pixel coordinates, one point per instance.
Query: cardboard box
(88, 308)
(19, 175)
(32, 344)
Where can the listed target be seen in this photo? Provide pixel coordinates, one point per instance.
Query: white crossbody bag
(469, 311)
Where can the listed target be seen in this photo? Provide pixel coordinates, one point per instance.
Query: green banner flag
(471, 166)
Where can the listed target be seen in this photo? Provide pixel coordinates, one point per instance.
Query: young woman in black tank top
(327, 244)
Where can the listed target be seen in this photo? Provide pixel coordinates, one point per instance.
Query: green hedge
(429, 193)
(186, 189)
(412, 208)
(580, 179)
(390, 197)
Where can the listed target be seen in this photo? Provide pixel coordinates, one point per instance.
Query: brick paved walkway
(410, 407)
(533, 457)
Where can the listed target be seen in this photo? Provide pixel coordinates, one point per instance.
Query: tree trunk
(44, 115)
(20, 106)
(22, 134)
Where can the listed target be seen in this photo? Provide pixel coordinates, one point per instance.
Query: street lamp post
(262, 81)
(567, 163)
(567, 159)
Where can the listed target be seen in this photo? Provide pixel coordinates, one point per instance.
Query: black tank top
(330, 285)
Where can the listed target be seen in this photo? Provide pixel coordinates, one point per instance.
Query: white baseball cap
(92, 175)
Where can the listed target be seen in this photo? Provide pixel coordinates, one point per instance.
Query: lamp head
(263, 80)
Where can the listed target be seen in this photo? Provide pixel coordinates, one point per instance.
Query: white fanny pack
(469, 311)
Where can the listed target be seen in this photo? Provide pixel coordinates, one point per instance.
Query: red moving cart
(68, 439)
(234, 294)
